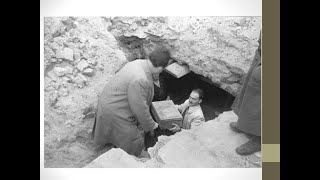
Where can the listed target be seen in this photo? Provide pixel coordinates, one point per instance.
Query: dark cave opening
(215, 102)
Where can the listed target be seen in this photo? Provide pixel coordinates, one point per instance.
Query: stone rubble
(88, 72)
(82, 65)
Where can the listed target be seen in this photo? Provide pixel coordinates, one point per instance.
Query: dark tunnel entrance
(216, 100)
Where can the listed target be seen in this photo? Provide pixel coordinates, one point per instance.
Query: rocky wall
(219, 48)
(80, 57)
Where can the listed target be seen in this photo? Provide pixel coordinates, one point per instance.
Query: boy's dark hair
(160, 56)
(200, 92)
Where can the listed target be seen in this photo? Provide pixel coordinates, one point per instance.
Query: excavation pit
(215, 101)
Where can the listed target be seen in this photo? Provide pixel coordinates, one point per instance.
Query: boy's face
(194, 99)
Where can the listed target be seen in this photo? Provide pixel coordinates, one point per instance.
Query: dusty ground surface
(81, 54)
(211, 145)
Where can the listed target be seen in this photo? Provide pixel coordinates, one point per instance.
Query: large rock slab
(211, 145)
(219, 48)
(115, 158)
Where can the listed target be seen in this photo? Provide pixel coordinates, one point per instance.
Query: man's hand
(151, 138)
(176, 128)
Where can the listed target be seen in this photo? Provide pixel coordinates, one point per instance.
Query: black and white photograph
(152, 91)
